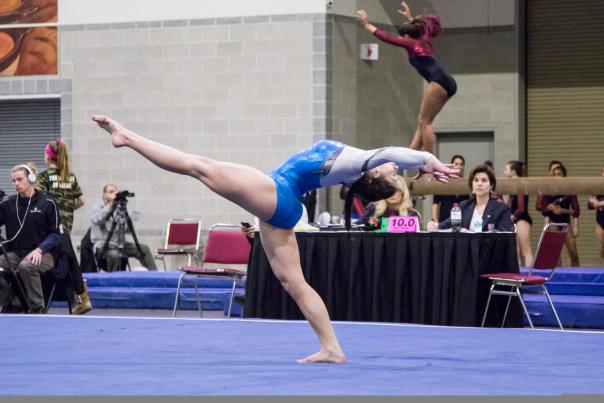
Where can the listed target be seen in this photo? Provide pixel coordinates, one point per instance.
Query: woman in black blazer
(482, 212)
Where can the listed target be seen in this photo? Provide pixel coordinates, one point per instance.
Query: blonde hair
(406, 205)
(60, 149)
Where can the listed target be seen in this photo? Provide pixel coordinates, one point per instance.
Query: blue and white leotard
(328, 163)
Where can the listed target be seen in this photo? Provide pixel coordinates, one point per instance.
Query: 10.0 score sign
(403, 224)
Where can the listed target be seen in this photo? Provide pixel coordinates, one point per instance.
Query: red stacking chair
(546, 258)
(182, 238)
(226, 246)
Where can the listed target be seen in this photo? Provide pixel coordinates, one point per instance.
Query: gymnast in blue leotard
(275, 200)
(415, 36)
(329, 163)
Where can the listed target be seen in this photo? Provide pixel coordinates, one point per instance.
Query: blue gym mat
(61, 355)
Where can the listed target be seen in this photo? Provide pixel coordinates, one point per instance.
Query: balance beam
(576, 185)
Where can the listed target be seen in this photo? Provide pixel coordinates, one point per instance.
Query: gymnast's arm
(405, 158)
(394, 40)
(382, 35)
(364, 20)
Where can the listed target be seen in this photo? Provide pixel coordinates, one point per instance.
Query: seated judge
(399, 204)
(482, 212)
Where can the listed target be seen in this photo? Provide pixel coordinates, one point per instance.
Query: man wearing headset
(32, 223)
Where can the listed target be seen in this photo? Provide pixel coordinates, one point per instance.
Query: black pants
(72, 262)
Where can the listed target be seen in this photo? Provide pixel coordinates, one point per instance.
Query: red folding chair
(546, 258)
(226, 246)
(357, 204)
(182, 238)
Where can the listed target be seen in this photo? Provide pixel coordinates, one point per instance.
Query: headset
(31, 176)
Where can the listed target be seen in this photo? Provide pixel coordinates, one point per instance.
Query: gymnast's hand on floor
(117, 131)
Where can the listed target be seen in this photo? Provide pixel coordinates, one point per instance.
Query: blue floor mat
(54, 355)
(157, 290)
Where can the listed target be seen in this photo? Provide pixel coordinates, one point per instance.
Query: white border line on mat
(282, 321)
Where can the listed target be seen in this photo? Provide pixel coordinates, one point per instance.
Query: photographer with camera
(109, 223)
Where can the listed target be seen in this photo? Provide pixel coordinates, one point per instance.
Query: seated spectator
(497, 195)
(563, 209)
(399, 204)
(101, 222)
(482, 212)
(32, 222)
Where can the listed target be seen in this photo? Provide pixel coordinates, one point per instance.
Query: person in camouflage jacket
(59, 183)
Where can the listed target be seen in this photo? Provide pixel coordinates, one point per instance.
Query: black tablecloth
(428, 278)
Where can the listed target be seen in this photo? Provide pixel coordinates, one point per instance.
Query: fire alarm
(369, 51)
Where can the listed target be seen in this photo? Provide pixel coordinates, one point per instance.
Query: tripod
(120, 220)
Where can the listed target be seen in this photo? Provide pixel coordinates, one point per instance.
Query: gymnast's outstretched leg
(245, 186)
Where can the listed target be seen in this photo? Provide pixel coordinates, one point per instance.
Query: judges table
(427, 278)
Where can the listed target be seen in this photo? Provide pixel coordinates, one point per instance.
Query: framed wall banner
(28, 37)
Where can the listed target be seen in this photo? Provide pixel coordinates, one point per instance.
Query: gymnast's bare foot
(324, 356)
(119, 134)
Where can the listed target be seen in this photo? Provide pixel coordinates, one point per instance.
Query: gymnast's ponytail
(432, 26)
(57, 151)
(368, 188)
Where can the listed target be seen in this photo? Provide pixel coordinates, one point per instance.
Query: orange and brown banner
(27, 45)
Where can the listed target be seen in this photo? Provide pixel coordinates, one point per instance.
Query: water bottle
(456, 218)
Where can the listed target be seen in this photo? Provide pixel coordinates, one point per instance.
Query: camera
(121, 196)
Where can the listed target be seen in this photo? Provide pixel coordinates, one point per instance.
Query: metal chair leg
(528, 317)
(486, 309)
(232, 295)
(507, 308)
(198, 301)
(69, 302)
(552, 305)
(177, 294)
(52, 293)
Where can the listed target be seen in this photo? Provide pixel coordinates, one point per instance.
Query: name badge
(402, 224)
